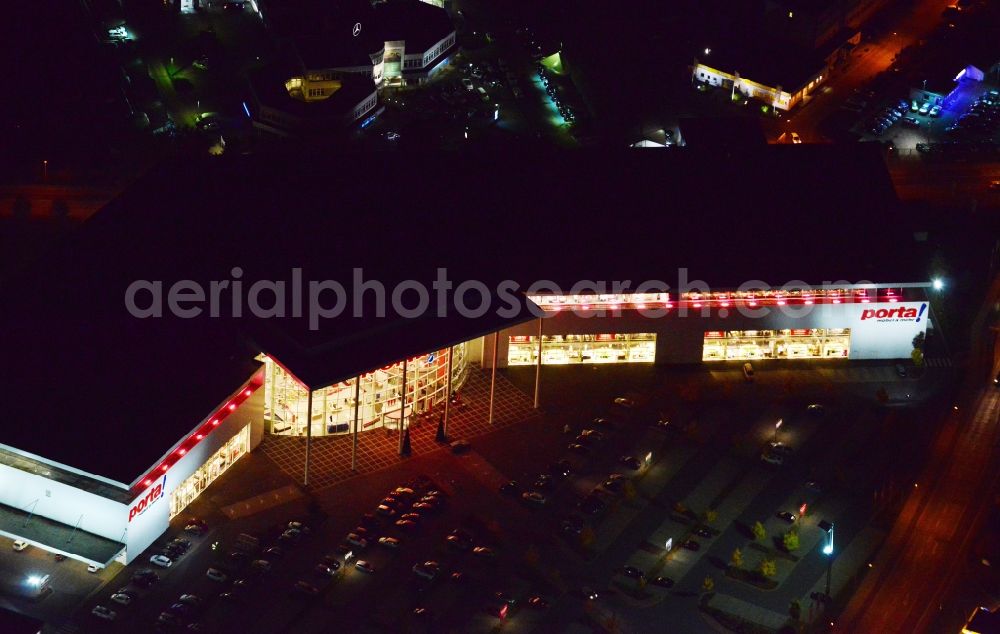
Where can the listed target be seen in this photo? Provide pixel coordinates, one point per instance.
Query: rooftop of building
(268, 85)
(766, 61)
(422, 25)
(722, 132)
(16, 623)
(106, 393)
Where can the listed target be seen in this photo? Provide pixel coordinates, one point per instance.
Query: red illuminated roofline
(802, 300)
(229, 406)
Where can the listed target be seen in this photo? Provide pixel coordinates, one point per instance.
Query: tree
(791, 540)
(736, 561)
(918, 357)
(795, 610)
(711, 516)
(768, 568)
(759, 532)
(708, 584)
(918, 341)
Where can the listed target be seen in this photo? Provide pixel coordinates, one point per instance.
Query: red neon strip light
(244, 394)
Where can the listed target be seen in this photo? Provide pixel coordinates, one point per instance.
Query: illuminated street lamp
(777, 426)
(937, 283)
(827, 527)
(496, 112)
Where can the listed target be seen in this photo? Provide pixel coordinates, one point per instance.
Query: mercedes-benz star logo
(357, 29)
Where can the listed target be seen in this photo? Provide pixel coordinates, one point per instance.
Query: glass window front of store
(233, 450)
(286, 400)
(812, 343)
(569, 349)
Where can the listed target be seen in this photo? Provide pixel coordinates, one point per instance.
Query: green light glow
(554, 63)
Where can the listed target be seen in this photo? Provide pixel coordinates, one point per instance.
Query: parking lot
(968, 120)
(560, 503)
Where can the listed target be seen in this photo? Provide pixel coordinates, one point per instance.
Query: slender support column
(447, 400)
(354, 441)
(493, 380)
(538, 363)
(402, 410)
(309, 434)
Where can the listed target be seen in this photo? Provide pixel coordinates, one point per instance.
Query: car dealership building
(115, 423)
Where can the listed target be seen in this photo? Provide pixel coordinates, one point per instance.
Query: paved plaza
(330, 457)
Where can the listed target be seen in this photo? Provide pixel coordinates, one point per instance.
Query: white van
(20, 544)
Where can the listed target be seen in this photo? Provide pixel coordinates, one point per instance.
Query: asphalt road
(931, 535)
(872, 57)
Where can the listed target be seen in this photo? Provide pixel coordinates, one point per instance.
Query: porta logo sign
(154, 493)
(899, 314)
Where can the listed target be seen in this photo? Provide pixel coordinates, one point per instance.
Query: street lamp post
(828, 551)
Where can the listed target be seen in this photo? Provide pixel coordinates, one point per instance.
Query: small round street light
(937, 283)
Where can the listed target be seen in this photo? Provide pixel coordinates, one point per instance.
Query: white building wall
(145, 528)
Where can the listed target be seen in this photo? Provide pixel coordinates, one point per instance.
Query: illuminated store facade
(286, 400)
(837, 322)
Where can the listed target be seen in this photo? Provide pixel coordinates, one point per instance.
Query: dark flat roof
(422, 25)
(16, 623)
(722, 132)
(58, 536)
(101, 391)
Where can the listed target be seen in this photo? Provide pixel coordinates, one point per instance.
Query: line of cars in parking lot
(982, 118)
(901, 112)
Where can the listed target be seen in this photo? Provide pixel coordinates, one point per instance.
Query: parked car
(691, 545)
(364, 566)
(624, 401)
(19, 545)
(779, 448)
(357, 541)
(216, 575)
(427, 570)
(538, 603)
(630, 462)
(121, 598)
(510, 488)
(534, 498)
(389, 542)
(577, 448)
(771, 458)
(633, 573)
(161, 560)
(104, 612)
(663, 582)
(306, 588)
(785, 516)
